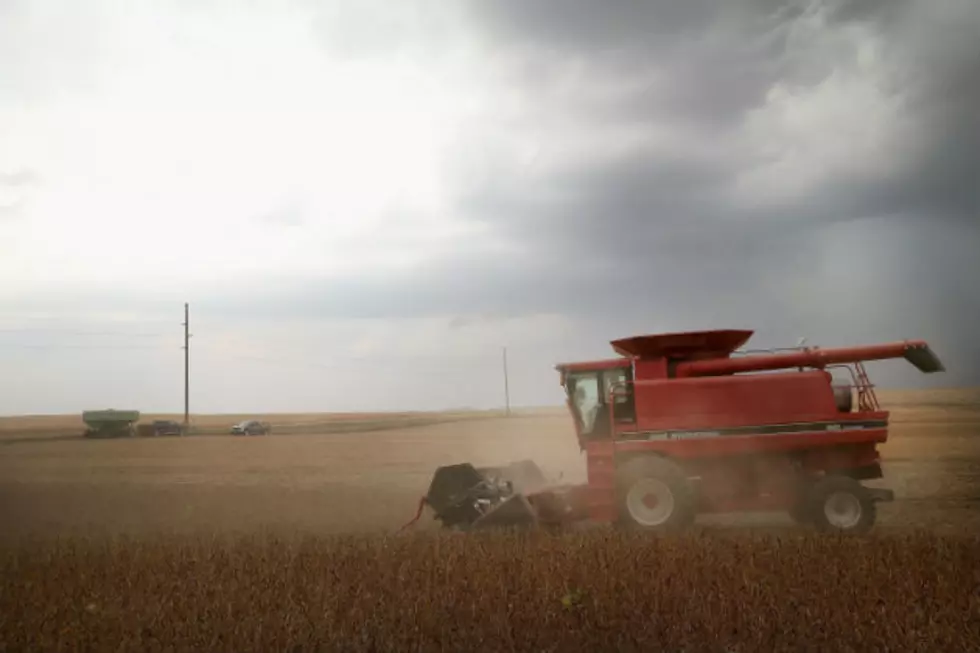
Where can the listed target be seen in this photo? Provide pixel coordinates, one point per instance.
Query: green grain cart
(110, 423)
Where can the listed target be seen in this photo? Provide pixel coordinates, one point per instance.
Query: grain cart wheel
(840, 504)
(655, 495)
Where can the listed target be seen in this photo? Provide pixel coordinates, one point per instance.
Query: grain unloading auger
(683, 424)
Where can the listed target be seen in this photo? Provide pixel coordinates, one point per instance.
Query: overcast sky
(365, 201)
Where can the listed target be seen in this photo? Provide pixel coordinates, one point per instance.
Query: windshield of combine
(583, 391)
(589, 392)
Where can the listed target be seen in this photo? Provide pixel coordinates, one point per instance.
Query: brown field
(213, 542)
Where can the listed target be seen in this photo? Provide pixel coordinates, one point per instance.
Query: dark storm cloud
(585, 25)
(709, 64)
(658, 226)
(945, 96)
(881, 12)
(714, 284)
(712, 61)
(934, 58)
(714, 65)
(698, 68)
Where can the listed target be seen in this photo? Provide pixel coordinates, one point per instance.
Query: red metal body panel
(648, 369)
(601, 472)
(732, 401)
(741, 445)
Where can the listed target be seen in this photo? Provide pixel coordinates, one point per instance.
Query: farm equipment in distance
(159, 428)
(167, 427)
(110, 423)
(682, 424)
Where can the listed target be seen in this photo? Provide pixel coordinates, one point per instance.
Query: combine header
(682, 424)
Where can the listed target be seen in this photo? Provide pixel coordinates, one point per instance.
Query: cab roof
(588, 366)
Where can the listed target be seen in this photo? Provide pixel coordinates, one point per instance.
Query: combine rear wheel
(655, 495)
(840, 504)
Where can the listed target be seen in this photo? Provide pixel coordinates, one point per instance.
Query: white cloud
(848, 127)
(203, 122)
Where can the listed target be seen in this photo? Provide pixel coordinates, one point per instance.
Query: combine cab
(685, 424)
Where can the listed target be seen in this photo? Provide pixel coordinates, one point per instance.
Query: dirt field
(245, 543)
(54, 482)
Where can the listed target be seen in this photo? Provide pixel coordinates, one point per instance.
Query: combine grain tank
(683, 424)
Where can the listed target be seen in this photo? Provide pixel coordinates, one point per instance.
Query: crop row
(590, 591)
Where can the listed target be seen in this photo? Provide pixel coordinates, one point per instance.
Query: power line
(482, 353)
(74, 332)
(278, 361)
(376, 362)
(439, 361)
(15, 345)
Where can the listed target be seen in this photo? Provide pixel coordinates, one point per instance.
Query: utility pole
(187, 374)
(506, 385)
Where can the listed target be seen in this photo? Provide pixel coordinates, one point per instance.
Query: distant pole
(506, 385)
(187, 370)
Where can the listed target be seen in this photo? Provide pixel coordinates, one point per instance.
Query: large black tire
(840, 504)
(652, 477)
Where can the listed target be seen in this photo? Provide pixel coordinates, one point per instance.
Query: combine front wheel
(841, 504)
(655, 495)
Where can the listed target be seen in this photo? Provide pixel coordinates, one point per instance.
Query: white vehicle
(251, 427)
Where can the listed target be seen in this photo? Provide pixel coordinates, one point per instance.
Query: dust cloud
(546, 436)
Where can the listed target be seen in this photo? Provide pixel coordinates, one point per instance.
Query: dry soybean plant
(598, 590)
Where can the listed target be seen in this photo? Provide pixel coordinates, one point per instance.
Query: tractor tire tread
(832, 483)
(673, 475)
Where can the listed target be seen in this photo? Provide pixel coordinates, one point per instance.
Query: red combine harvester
(682, 424)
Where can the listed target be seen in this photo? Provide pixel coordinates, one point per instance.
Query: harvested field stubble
(597, 590)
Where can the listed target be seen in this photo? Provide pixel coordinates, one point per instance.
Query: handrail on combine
(867, 399)
(770, 350)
